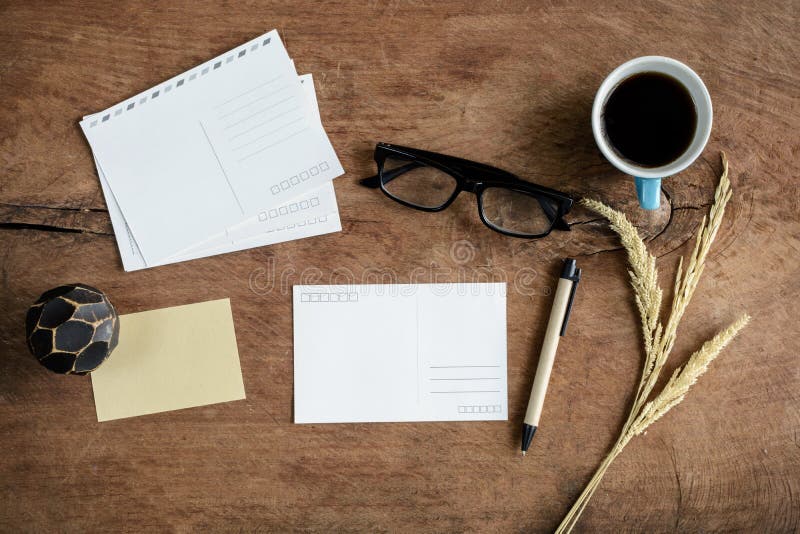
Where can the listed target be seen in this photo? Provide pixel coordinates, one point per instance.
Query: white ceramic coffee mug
(648, 179)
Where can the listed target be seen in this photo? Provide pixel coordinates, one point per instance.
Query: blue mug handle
(649, 192)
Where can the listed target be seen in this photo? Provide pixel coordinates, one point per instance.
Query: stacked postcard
(226, 156)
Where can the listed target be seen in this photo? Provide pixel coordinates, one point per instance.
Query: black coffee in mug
(650, 119)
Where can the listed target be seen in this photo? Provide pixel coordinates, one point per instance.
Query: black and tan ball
(72, 329)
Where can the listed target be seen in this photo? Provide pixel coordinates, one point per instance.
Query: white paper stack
(226, 156)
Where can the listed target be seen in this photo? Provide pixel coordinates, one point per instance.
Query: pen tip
(523, 454)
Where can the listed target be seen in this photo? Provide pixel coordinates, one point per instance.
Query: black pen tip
(568, 269)
(527, 436)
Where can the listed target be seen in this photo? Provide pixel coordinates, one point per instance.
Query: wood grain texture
(509, 83)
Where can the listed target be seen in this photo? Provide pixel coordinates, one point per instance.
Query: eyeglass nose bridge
(471, 185)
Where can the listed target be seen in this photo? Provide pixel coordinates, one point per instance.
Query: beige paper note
(170, 359)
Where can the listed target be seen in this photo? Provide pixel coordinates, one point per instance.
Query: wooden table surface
(508, 83)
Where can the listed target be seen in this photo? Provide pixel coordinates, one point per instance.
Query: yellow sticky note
(170, 359)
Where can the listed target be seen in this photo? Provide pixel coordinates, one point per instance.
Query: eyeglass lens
(416, 183)
(517, 212)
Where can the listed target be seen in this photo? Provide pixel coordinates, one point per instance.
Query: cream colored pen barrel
(548, 354)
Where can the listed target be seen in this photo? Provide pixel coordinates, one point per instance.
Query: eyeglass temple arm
(375, 181)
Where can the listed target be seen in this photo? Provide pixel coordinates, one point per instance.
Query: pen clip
(575, 279)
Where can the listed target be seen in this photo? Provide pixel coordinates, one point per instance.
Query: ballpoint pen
(556, 327)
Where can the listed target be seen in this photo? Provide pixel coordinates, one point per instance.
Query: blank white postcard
(400, 352)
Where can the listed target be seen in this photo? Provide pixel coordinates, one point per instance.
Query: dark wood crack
(587, 254)
(48, 228)
(59, 208)
(56, 219)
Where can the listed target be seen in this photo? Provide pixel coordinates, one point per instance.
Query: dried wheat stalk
(659, 337)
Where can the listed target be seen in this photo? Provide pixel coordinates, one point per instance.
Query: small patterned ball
(72, 329)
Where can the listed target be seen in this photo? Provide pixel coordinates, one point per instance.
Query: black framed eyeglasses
(429, 181)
